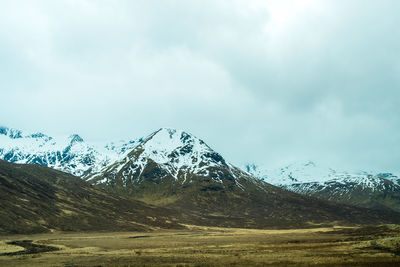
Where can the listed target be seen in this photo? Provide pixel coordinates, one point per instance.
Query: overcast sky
(269, 82)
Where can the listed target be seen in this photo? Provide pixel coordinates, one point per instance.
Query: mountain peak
(167, 140)
(3, 130)
(175, 146)
(75, 138)
(167, 132)
(174, 153)
(310, 163)
(172, 133)
(12, 133)
(67, 153)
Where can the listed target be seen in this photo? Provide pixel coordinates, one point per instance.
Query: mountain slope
(71, 154)
(174, 169)
(377, 191)
(167, 156)
(39, 199)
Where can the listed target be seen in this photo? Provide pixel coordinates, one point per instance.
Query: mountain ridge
(71, 154)
(159, 168)
(176, 151)
(175, 169)
(378, 191)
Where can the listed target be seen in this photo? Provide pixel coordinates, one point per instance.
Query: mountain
(377, 191)
(71, 154)
(167, 156)
(178, 172)
(174, 169)
(37, 199)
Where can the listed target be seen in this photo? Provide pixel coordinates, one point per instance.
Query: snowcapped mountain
(372, 190)
(71, 154)
(298, 172)
(309, 173)
(175, 154)
(176, 170)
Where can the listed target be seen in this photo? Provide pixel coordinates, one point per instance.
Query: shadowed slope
(39, 199)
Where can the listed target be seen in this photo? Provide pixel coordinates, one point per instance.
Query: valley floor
(209, 246)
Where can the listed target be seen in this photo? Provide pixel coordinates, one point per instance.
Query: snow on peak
(70, 154)
(11, 133)
(298, 172)
(178, 151)
(310, 173)
(122, 147)
(165, 143)
(75, 139)
(39, 136)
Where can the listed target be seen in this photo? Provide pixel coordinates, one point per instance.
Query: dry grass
(205, 246)
(6, 248)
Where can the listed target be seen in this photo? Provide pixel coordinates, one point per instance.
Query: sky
(265, 82)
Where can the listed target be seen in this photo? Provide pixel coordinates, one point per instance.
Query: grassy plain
(211, 246)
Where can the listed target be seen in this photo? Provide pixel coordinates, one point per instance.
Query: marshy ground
(208, 246)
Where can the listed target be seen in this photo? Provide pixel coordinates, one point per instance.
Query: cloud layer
(260, 81)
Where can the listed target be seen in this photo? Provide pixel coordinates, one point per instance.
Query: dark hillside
(39, 199)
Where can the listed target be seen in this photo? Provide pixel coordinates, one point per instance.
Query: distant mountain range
(176, 170)
(378, 191)
(71, 154)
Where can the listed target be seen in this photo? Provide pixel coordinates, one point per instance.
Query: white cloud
(263, 81)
